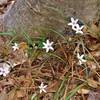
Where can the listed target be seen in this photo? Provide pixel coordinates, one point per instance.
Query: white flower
(75, 26)
(81, 59)
(78, 28)
(15, 47)
(5, 69)
(73, 22)
(48, 46)
(42, 88)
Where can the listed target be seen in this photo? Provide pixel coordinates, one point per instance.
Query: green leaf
(72, 93)
(40, 42)
(57, 94)
(7, 33)
(33, 97)
(28, 39)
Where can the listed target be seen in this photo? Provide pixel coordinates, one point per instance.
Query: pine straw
(58, 69)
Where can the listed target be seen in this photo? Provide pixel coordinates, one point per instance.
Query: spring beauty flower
(78, 29)
(73, 22)
(15, 47)
(75, 26)
(81, 59)
(42, 87)
(48, 45)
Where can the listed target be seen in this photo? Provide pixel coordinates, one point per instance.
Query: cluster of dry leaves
(29, 72)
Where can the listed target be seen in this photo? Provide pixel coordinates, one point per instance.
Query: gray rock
(25, 15)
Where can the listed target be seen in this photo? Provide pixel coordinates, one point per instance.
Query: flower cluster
(46, 45)
(5, 69)
(75, 26)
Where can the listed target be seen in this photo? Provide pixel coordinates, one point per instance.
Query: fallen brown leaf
(92, 83)
(83, 91)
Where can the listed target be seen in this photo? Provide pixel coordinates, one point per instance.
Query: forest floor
(53, 66)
